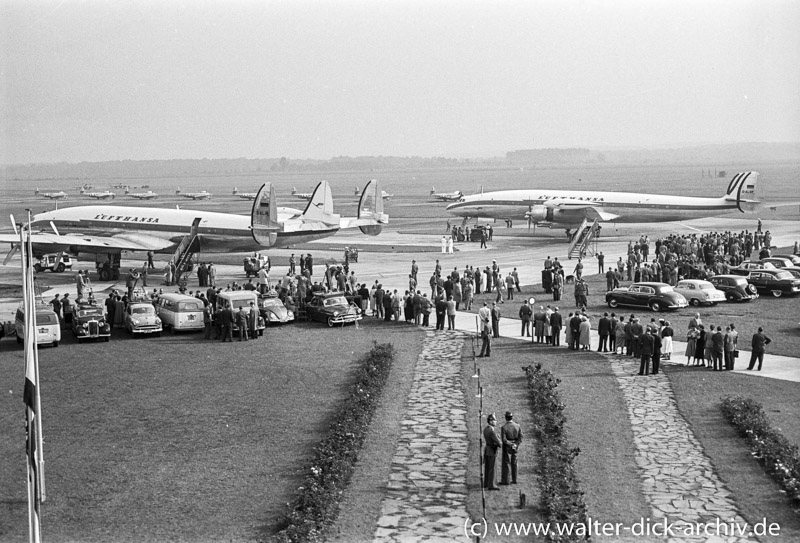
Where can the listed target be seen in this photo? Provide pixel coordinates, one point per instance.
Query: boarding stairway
(187, 248)
(581, 243)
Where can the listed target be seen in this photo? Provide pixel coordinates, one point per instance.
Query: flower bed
(562, 498)
(329, 472)
(779, 457)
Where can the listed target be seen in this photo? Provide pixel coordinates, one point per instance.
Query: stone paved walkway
(427, 491)
(678, 479)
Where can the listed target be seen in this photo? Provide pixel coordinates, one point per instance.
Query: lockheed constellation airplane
(149, 195)
(245, 195)
(104, 195)
(446, 196)
(569, 208)
(385, 195)
(302, 195)
(60, 195)
(108, 229)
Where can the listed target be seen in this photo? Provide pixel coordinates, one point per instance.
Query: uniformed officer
(512, 438)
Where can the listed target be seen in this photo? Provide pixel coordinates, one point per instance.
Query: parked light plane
(385, 195)
(149, 195)
(245, 195)
(104, 195)
(446, 196)
(60, 195)
(569, 207)
(107, 229)
(301, 195)
(202, 195)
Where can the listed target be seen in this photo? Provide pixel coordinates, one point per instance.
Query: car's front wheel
(613, 303)
(695, 302)
(60, 268)
(330, 322)
(777, 293)
(655, 306)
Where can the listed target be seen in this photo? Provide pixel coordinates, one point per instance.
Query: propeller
(53, 226)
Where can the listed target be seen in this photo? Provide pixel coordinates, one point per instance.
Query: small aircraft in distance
(104, 195)
(60, 195)
(446, 196)
(202, 195)
(385, 195)
(301, 195)
(149, 195)
(245, 195)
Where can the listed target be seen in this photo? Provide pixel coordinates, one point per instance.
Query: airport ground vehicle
(48, 327)
(735, 287)
(699, 292)
(179, 312)
(656, 296)
(89, 322)
(331, 308)
(776, 282)
(55, 262)
(141, 318)
(236, 299)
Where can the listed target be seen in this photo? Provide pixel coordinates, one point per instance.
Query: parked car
(89, 322)
(236, 299)
(273, 311)
(735, 287)
(699, 292)
(141, 318)
(179, 312)
(795, 259)
(749, 265)
(55, 262)
(778, 262)
(656, 296)
(794, 270)
(776, 282)
(331, 308)
(48, 326)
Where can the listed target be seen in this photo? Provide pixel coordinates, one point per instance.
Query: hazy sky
(104, 80)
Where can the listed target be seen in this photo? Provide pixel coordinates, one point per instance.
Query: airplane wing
(76, 243)
(576, 210)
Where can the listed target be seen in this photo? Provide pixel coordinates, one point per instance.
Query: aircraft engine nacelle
(540, 214)
(372, 230)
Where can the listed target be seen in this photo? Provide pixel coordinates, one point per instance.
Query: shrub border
(777, 455)
(562, 497)
(329, 472)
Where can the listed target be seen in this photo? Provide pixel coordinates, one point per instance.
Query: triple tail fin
(742, 189)
(320, 206)
(264, 216)
(370, 206)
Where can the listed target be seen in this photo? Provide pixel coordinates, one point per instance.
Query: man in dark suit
(637, 330)
(556, 323)
(717, 348)
(226, 319)
(495, 319)
(490, 452)
(441, 311)
(511, 435)
(603, 330)
(656, 351)
(575, 328)
(645, 351)
(760, 341)
(612, 337)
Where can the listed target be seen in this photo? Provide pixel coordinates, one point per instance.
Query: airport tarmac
(387, 258)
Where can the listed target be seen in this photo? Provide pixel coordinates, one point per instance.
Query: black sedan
(735, 287)
(332, 308)
(656, 296)
(776, 282)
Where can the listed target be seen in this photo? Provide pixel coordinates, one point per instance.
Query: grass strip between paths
(562, 498)
(779, 457)
(329, 472)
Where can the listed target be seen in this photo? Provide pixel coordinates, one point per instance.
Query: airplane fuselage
(629, 207)
(218, 232)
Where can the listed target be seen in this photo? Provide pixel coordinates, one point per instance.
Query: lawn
(173, 438)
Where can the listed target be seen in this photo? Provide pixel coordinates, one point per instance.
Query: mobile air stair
(584, 242)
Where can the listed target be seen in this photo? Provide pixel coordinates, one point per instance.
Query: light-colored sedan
(141, 318)
(699, 292)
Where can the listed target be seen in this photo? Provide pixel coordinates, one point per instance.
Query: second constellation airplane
(446, 196)
(149, 195)
(107, 229)
(202, 195)
(60, 195)
(102, 195)
(570, 207)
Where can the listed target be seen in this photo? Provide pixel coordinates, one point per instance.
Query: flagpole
(39, 433)
(31, 390)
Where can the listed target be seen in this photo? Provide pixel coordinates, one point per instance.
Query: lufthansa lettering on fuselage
(121, 218)
(584, 198)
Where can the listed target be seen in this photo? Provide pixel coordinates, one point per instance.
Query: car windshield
(143, 310)
(336, 300)
(91, 312)
(666, 288)
(784, 275)
(271, 302)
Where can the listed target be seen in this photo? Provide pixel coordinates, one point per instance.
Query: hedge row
(779, 457)
(562, 498)
(316, 508)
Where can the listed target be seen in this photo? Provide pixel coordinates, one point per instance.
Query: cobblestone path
(427, 491)
(678, 479)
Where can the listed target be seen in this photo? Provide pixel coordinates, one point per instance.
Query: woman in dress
(408, 307)
(568, 330)
(709, 348)
(583, 339)
(619, 332)
(691, 344)
(700, 348)
(666, 341)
